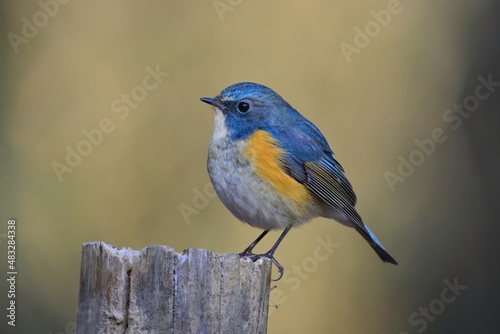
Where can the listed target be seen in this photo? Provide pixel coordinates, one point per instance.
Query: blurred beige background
(393, 86)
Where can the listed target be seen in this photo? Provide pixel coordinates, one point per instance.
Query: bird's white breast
(242, 190)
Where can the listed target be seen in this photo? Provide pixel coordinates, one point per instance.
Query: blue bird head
(248, 106)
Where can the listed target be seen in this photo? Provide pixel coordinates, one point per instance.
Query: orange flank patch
(266, 158)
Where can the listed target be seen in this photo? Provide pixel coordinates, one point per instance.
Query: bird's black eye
(243, 106)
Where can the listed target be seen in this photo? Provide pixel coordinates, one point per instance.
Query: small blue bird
(273, 169)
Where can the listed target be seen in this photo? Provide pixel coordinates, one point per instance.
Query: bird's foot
(246, 253)
(269, 255)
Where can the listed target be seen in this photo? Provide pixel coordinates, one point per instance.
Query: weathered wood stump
(156, 290)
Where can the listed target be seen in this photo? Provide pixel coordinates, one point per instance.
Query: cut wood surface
(156, 290)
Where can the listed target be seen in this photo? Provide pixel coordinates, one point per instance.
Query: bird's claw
(255, 257)
(246, 253)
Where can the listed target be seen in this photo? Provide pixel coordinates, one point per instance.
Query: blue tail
(376, 245)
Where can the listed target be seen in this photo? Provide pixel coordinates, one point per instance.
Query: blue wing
(310, 161)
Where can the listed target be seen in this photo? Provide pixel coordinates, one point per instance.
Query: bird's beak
(214, 102)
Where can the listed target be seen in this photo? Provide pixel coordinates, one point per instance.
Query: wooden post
(156, 290)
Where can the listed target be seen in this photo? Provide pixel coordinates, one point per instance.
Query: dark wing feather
(310, 161)
(324, 183)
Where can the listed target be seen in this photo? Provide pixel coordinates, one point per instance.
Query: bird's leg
(270, 253)
(248, 250)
